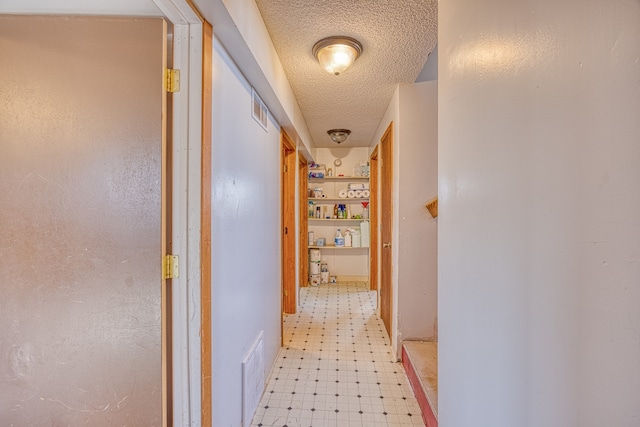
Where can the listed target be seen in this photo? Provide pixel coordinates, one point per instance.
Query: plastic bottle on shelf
(365, 210)
(339, 240)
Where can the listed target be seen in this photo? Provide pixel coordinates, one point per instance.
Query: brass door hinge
(170, 268)
(172, 80)
(285, 169)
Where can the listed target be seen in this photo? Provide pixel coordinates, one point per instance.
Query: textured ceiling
(396, 35)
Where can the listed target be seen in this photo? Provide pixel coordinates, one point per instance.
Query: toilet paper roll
(359, 194)
(342, 194)
(366, 194)
(351, 194)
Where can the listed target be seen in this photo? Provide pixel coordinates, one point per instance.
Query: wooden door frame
(386, 180)
(191, 214)
(206, 416)
(190, 112)
(303, 255)
(288, 196)
(166, 246)
(374, 227)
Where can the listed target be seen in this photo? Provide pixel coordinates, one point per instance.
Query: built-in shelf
(340, 178)
(331, 188)
(339, 219)
(321, 200)
(338, 247)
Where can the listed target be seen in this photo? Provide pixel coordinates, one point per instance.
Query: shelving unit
(343, 261)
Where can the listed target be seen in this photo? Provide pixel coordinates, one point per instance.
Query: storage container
(315, 280)
(314, 255)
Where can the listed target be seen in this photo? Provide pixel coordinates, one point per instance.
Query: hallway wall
(413, 110)
(246, 243)
(539, 268)
(418, 239)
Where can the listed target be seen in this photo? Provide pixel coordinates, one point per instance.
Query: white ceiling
(396, 35)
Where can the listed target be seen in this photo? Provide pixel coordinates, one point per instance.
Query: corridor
(336, 367)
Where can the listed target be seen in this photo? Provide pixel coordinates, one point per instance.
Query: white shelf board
(336, 219)
(321, 200)
(340, 178)
(337, 247)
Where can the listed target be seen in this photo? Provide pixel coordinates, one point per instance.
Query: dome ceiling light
(337, 53)
(339, 135)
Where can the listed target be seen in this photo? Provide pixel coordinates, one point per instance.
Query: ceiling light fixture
(339, 135)
(337, 53)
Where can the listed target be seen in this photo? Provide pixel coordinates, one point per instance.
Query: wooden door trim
(288, 163)
(205, 228)
(374, 228)
(386, 180)
(166, 202)
(303, 258)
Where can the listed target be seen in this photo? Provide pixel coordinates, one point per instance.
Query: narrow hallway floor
(336, 366)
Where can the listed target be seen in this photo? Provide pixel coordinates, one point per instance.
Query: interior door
(386, 215)
(81, 155)
(289, 305)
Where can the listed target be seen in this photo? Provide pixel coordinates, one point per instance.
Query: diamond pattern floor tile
(336, 367)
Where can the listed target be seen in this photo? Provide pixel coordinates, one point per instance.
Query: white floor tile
(336, 368)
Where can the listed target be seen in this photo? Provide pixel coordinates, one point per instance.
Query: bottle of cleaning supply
(339, 240)
(347, 239)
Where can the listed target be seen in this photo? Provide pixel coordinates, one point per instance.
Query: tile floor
(336, 368)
